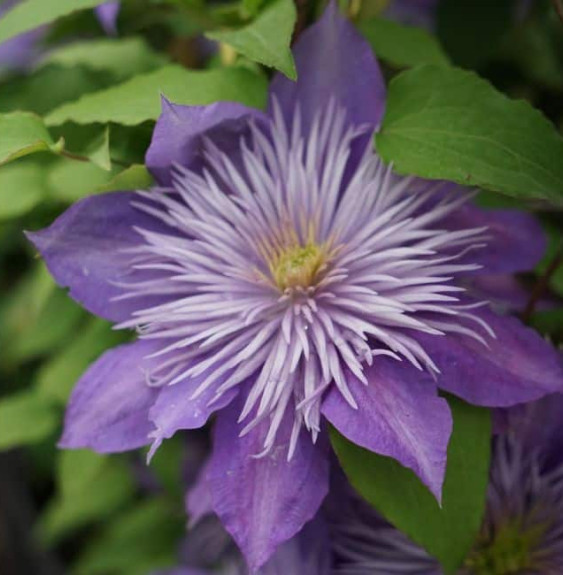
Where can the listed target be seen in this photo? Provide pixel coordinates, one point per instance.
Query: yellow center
(297, 266)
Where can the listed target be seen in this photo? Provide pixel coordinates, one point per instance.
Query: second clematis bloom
(280, 275)
(521, 533)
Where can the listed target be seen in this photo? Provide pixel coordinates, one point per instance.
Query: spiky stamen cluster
(522, 531)
(285, 273)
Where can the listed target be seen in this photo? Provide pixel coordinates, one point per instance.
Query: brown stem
(79, 158)
(543, 283)
(558, 5)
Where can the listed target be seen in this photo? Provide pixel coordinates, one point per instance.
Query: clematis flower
(107, 14)
(522, 531)
(279, 275)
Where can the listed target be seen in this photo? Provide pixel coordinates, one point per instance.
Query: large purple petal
(333, 61)
(400, 415)
(175, 408)
(179, 131)
(516, 367)
(264, 501)
(109, 407)
(107, 15)
(86, 250)
(517, 241)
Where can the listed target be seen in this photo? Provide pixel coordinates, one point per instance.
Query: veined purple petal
(517, 241)
(517, 366)
(109, 407)
(177, 137)
(176, 408)
(88, 249)
(333, 62)
(399, 415)
(307, 553)
(264, 501)
(198, 498)
(107, 15)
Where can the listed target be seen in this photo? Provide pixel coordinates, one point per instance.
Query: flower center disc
(297, 266)
(510, 552)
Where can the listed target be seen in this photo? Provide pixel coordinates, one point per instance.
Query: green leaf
(123, 58)
(56, 321)
(91, 488)
(22, 187)
(445, 123)
(250, 8)
(135, 177)
(400, 45)
(33, 13)
(138, 99)
(23, 133)
(50, 87)
(447, 532)
(555, 243)
(71, 180)
(56, 378)
(98, 150)
(267, 39)
(139, 541)
(25, 418)
(24, 305)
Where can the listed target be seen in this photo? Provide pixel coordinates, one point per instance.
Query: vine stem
(558, 5)
(542, 283)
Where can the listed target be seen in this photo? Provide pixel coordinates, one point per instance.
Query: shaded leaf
(401, 45)
(22, 187)
(448, 532)
(91, 487)
(25, 418)
(70, 180)
(56, 378)
(136, 542)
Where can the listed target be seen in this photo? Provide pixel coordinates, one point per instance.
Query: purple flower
(420, 13)
(281, 274)
(522, 531)
(22, 51)
(107, 14)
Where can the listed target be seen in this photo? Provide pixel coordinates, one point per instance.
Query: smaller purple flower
(107, 14)
(522, 531)
(21, 52)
